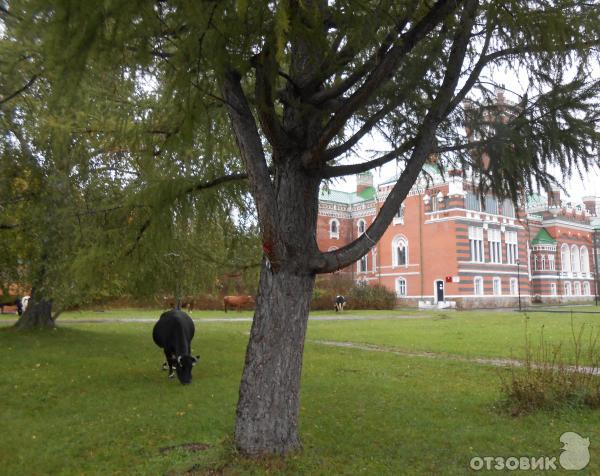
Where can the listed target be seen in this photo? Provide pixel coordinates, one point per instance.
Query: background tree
(297, 86)
(90, 205)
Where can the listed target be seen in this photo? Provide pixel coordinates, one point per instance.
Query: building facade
(446, 244)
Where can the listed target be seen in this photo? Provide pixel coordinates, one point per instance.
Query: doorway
(439, 290)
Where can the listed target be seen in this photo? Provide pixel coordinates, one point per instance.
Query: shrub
(545, 382)
(358, 295)
(364, 296)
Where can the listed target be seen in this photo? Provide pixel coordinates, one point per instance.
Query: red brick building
(448, 245)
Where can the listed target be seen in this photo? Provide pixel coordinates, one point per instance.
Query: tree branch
(9, 226)
(249, 144)
(20, 90)
(341, 170)
(334, 260)
(380, 75)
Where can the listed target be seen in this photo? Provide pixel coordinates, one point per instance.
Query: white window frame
(334, 235)
(577, 288)
(568, 288)
(497, 286)
(399, 216)
(364, 226)
(565, 258)
(551, 262)
(401, 287)
(587, 289)
(514, 286)
(495, 245)
(512, 249)
(575, 261)
(585, 260)
(478, 283)
(396, 242)
(476, 244)
(553, 289)
(364, 260)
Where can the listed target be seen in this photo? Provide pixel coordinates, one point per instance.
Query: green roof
(543, 238)
(347, 198)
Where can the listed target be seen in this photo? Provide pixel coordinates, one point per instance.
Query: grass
(90, 399)
(468, 334)
(138, 313)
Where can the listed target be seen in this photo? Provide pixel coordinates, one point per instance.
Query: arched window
(565, 258)
(586, 288)
(585, 260)
(401, 287)
(536, 260)
(362, 264)
(400, 251)
(334, 229)
(568, 289)
(361, 227)
(575, 262)
(577, 288)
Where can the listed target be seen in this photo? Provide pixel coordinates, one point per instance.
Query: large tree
(296, 86)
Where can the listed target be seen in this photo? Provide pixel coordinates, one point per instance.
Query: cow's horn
(179, 359)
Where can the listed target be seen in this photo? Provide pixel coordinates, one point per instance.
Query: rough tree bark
(269, 403)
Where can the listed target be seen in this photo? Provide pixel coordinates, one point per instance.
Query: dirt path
(496, 362)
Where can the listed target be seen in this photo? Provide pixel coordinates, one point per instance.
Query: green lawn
(130, 313)
(470, 334)
(90, 399)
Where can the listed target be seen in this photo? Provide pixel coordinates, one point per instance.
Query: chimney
(363, 181)
(554, 197)
(592, 204)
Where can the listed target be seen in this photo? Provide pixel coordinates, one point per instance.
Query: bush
(358, 295)
(364, 296)
(546, 382)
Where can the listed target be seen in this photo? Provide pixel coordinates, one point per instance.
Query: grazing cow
(173, 333)
(237, 302)
(340, 302)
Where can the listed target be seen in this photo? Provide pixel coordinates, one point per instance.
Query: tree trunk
(37, 315)
(269, 403)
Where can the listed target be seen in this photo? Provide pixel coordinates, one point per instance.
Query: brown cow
(237, 302)
(186, 302)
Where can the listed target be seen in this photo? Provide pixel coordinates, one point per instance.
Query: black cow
(340, 302)
(173, 333)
